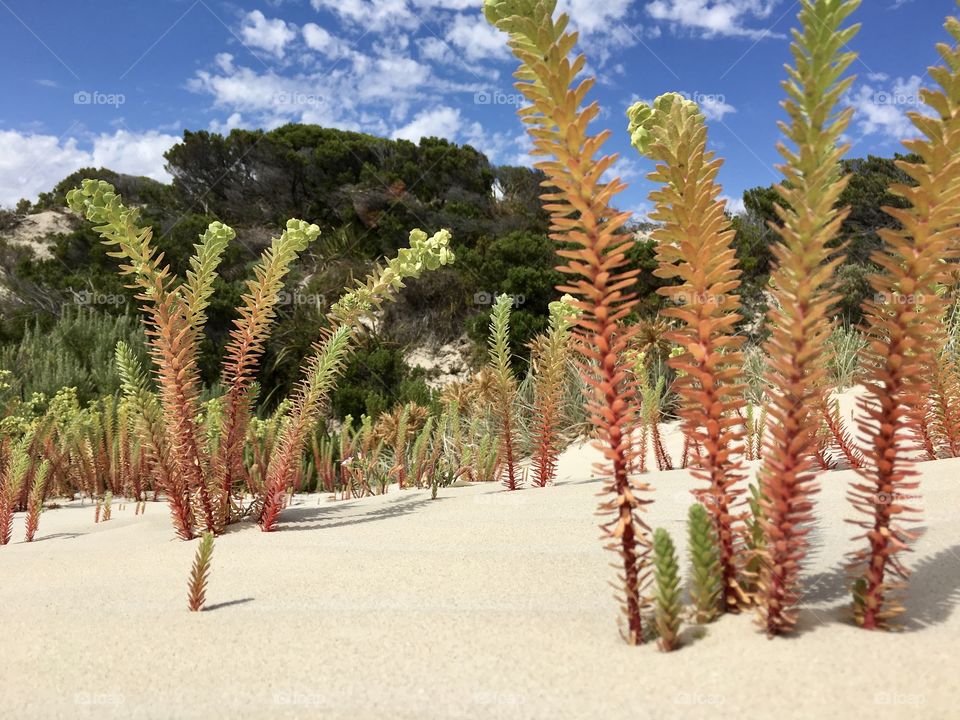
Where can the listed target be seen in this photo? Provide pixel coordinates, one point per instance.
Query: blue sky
(116, 82)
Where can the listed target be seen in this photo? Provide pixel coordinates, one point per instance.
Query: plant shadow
(310, 518)
(933, 591)
(228, 603)
(59, 536)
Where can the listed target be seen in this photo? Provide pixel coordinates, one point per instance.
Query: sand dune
(481, 604)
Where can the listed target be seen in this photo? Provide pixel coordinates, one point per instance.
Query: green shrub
(75, 351)
(375, 379)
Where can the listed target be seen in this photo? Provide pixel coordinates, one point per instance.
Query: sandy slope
(482, 604)
(36, 229)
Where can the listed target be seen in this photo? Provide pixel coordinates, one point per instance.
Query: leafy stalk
(149, 419)
(550, 378)
(586, 227)
(12, 481)
(904, 315)
(35, 501)
(250, 332)
(695, 247)
(506, 386)
(176, 312)
(706, 576)
(667, 602)
(200, 573)
(798, 347)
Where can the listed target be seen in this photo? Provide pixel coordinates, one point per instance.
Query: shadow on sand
(934, 590)
(228, 603)
(932, 594)
(60, 536)
(331, 515)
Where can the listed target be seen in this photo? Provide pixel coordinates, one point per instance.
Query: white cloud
(442, 122)
(376, 15)
(134, 154)
(34, 163)
(224, 61)
(231, 123)
(476, 38)
(713, 18)
(271, 35)
(445, 4)
(590, 16)
(344, 96)
(735, 206)
(587, 16)
(883, 111)
(715, 107)
(436, 50)
(317, 38)
(391, 77)
(624, 168)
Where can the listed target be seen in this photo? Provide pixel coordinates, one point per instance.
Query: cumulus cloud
(356, 94)
(376, 15)
(881, 110)
(735, 206)
(715, 107)
(714, 18)
(33, 163)
(476, 38)
(273, 36)
(590, 16)
(320, 40)
(231, 123)
(442, 122)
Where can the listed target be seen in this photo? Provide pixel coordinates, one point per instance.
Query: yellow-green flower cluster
(647, 124)
(564, 312)
(502, 12)
(424, 253)
(299, 234)
(99, 203)
(117, 224)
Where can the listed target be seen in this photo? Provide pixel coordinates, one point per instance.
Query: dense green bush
(376, 379)
(75, 351)
(521, 265)
(867, 192)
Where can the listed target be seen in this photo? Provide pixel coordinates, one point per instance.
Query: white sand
(36, 229)
(482, 604)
